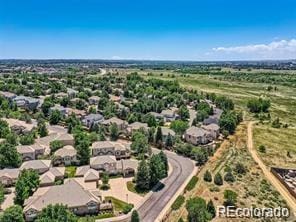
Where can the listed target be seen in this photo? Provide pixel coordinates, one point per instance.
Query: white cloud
(282, 49)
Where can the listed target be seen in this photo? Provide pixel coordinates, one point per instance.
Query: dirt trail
(266, 171)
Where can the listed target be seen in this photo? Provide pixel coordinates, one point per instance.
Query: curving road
(153, 206)
(181, 170)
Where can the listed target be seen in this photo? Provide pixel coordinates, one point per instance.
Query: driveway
(119, 190)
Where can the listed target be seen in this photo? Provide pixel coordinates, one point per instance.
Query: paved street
(154, 204)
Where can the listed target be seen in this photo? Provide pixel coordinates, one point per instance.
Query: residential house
(136, 126)
(51, 176)
(169, 115)
(91, 176)
(30, 152)
(213, 129)
(196, 136)
(61, 109)
(9, 176)
(8, 95)
(127, 167)
(94, 100)
(92, 119)
(166, 132)
(26, 102)
(66, 155)
(118, 150)
(71, 194)
(121, 124)
(71, 93)
(105, 163)
(41, 166)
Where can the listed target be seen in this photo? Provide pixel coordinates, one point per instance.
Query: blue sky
(163, 29)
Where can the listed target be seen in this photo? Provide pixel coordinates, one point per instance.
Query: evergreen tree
(135, 216)
(207, 176)
(143, 176)
(114, 132)
(169, 141)
(229, 177)
(157, 169)
(158, 137)
(164, 159)
(211, 209)
(218, 180)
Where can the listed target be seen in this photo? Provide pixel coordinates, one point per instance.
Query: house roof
(94, 117)
(22, 149)
(138, 125)
(71, 193)
(102, 145)
(80, 171)
(127, 164)
(91, 174)
(166, 131)
(64, 136)
(102, 160)
(168, 113)
(211, 126)
(57, 171)
(195, 131)
(66, 151)
(113, 120)
(11, 173)
(35, 164)
(47, 178)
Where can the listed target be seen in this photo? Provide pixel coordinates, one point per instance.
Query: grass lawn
(70, 171)
(94, 218)
(119, 205)
(132, 188)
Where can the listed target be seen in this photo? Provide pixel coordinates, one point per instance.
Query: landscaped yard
(94, 218)
(132, 188)
(119, 205)
(70, 171)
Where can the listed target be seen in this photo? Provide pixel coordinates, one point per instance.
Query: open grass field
(283, 105)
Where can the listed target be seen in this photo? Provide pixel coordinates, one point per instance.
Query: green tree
(26, 184)
(229, 177)
(55, 145)
(143, 176)
(200, 155)
(240, 168)
(207, 176)
(158, 137)
(230, 198)
(12, 138)
(2, 192)
(169, 141)
(27, 139)
(135, 216)
(4, 128)
(218, 180)
(184, 113)
(9, 157)
(197, 210)
(164, 159)
(55, 117)
(42, 130)
(82, 144)
(211, 209)
(157, 169)
(114, 132)
(179, 126)
(262, 149)
(140, 143)
(228, 122)
(45, 107)
(56, 213)
(12, 214)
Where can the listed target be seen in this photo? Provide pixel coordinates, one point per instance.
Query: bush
(191, 183)
(178, 202)
(127, 208)
(240, 168)
(262, 149)
(229, 177)
(218, 180)
(207, 176)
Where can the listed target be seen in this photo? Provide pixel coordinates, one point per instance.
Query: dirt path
(269, 176)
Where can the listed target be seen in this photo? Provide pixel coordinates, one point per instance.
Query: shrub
(191, 183)
(178, 202)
